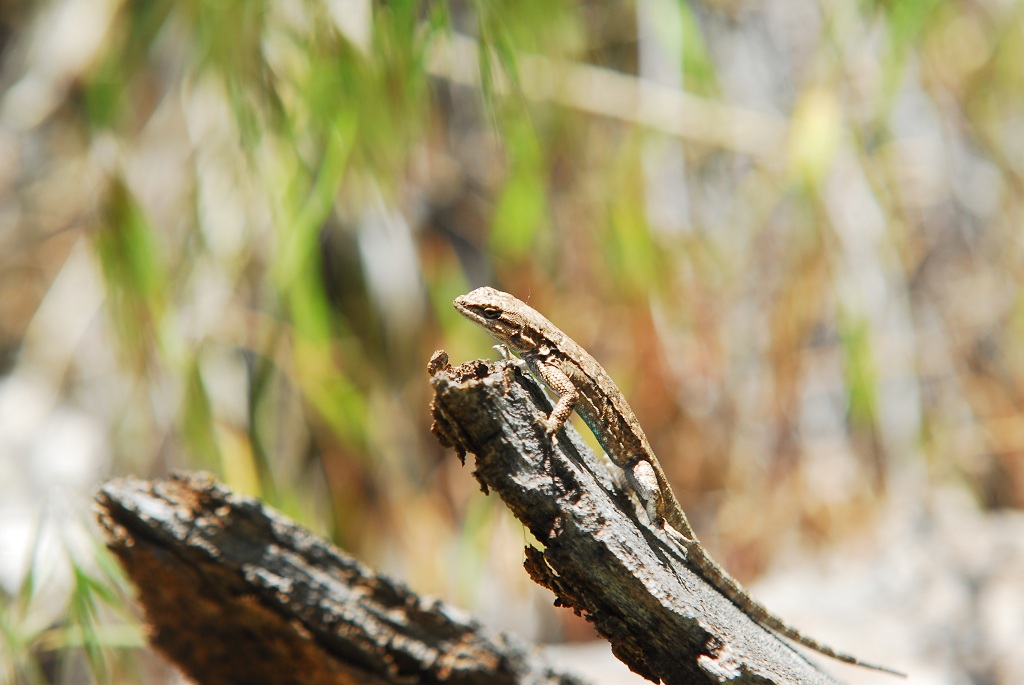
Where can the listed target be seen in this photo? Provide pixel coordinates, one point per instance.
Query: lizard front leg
(568, 395)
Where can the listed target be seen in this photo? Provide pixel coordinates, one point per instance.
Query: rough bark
(236, 593)
(601, 558)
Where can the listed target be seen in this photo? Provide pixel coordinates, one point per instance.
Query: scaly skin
(583, 385)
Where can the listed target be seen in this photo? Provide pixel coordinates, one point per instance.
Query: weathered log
(602, 558)
(234, 592)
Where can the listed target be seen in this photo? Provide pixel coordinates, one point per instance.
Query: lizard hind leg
(644, 481)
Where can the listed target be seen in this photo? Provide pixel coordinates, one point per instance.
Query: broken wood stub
(234, 592)
(602, 558)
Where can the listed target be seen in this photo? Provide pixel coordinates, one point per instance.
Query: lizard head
(501, 314)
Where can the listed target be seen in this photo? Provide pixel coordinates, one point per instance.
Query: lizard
(583, 385)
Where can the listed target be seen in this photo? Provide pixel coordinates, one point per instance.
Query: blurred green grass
(280, 202)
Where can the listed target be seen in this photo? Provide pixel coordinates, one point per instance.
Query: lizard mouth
(462, 306)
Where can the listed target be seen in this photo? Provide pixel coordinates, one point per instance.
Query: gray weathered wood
(234, 592)
(600, 558)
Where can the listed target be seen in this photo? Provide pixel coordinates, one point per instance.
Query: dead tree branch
(601, 557)
(236, 593)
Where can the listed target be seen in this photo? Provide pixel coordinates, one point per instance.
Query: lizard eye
(491, 313)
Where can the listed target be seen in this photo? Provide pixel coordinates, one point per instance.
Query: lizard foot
(550, 430)
(505, 353)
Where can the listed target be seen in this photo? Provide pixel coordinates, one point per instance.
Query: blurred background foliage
(231, 232)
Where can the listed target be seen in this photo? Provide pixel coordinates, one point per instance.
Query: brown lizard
(583, 384)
